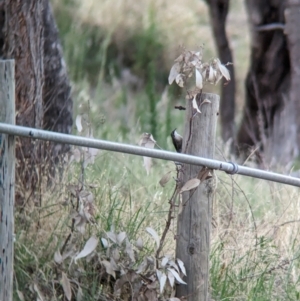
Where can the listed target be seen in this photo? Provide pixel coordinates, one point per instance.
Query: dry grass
(255, 227)
(180, 23)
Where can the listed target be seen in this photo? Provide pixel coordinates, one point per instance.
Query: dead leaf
(151, 295)
(176, 275)
(57, 257)
(135, 283)
(223, 70)
(108, 267)
(114, 265)
(80, 223)
(65, 282)
(162, 278)
(73, 189)
(174, 72)
(142, 267)
(147, 164)
(139, 243)
(171, 278)
(218, 76)
(78, 123)
(89, 247)
(120, 237)
(115, 255)
(211, 75)
(153, 233)
(104, 243)
(195, 106)
(79, 296)
(205, 101)
(38, 291)
(20, 295)
(190, 184)
(129, 250)
(90, 155)
(204, 174)
(147, 141)
(77, 155)
(179, 59)
(165, 179)
(112, 236)
(68, 253)
(174, 265)
(199, 80)
(180, 80)
(181, 265)
(164, 261)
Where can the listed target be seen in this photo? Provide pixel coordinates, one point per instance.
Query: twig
(270, 27)
(231, 209)
(270, 270)
(252, 214)
(72, 225)
(198, 97)
(289, 222)
(168, 223)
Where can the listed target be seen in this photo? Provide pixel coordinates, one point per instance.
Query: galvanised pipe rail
(228, 167)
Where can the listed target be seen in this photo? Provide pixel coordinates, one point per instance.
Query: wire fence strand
(228, 167)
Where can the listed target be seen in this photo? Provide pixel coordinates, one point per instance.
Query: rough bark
(7, 180)
(43, 97)
(218, 14)
(265, 122)
(23, 41)
(292, 16)
(194, 220)
(57, 102)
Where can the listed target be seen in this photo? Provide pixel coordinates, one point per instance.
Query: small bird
(177, 141)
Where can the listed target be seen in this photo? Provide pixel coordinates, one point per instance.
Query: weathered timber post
(7, 179)
(194, 221)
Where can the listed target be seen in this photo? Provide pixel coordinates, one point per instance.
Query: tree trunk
(42, 88)
(292, 17)
(57, 100)
(267, 122)
(218, 13)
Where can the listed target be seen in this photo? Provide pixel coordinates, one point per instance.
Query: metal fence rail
(228, 167)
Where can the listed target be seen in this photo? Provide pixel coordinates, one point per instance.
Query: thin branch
(269, 271)
(270, 27)
(289, 222)
(168, 223)
(72, 225)
(250, 208)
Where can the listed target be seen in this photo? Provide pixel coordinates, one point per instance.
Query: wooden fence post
(7, 179)
(194, 220)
